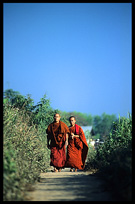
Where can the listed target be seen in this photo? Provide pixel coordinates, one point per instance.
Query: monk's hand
(66, 143)
(72, 135)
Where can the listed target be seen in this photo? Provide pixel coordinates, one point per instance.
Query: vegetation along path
(69, 186)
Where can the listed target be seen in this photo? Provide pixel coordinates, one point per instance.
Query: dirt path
(69, 186)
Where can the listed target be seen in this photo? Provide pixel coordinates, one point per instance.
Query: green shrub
(114, 158)
(25, 152)
(11, 184)
(90, 164)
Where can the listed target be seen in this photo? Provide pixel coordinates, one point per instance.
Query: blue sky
(79, 54)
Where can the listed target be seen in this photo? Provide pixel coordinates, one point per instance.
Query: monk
(57, 140)
(77, 146)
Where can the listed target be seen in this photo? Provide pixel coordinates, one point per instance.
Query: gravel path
(69, 186)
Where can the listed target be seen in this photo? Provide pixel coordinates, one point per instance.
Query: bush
(11, 184)
(25, 152)
(114, 158)
(90, 164)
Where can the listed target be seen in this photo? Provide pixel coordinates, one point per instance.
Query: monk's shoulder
(63, 124)
(79, 126)
(80, 129)
(49, 126)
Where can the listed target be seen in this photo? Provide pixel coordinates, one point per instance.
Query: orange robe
(77, 148)
(56, 132)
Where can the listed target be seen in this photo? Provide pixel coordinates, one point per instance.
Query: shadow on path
(70, 186)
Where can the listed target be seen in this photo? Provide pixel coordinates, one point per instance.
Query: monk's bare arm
(72, 135)
(77, 136)
(66, 139)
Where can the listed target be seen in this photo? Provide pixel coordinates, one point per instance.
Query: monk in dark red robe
(77, 146)
(57, 139)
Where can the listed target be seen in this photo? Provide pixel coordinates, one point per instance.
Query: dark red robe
(77, 148)
(56, 132)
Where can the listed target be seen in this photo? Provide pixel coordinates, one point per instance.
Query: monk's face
(57, 118)
(72, 121)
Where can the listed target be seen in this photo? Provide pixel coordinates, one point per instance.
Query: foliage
(40, 114)
(102, 125)
(25, 152)
(17, 100)
(10, 94)
(43, 113)
(11, 184)
(82, 119)
(91, 157)
(114, 157)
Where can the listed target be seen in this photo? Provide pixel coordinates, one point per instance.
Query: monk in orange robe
(77, 146)
(57, 140)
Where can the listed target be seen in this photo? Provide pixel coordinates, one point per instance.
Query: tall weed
(25, 152)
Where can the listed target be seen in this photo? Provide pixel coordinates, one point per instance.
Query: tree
(82, 119)
(18, 100)
(102, 125)
(43, 113)
(10, 94)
